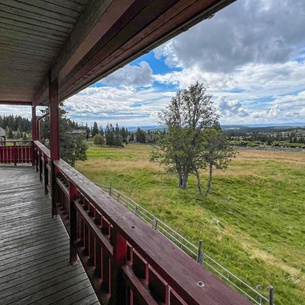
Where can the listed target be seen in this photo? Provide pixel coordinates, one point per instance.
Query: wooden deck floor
(34, 247)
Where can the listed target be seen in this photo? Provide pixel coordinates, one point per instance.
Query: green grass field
(259, 203)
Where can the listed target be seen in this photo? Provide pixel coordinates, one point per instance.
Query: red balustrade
(16, 152)
(126, 260)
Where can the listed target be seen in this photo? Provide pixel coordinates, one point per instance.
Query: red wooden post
(45, 174)
(54, 120)
(72, 222)
(34, 134)
(118, 285)
(54, 138)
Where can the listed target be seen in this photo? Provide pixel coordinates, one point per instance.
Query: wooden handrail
(42, 148)
(125, 259)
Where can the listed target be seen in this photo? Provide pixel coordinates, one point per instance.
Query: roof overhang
(79, 42)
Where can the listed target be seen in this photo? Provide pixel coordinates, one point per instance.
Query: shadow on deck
(34, 247)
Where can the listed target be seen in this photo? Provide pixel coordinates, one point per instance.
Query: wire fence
(195, 251)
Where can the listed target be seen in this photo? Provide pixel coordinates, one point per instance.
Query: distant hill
(145, 128)
(237, 128)
(261, 127)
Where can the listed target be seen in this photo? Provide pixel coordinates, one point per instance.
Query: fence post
(119, 197)
(15, 153)
(271, 292)
(155, 224)
(136, 210)
(199, 253)
(127, 203)
(259, 287)
(110, 189)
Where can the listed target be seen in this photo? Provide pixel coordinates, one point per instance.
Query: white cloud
(23, 111)
(126, 105)
(231, 108)
(245, 32)
(131, 75)
(250, 55)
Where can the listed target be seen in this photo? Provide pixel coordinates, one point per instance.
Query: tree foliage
(217, 152)
(99, 140)
(94, 130)
(116, 136)
(187, 117)
(15, 122)
(72, 148)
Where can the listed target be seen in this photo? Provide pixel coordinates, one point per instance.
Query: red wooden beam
(34, 132)
(34, 129)
(54, 138)
(54, 120)
(17, 103)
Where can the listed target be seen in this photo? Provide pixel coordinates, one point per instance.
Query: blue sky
(250, 55)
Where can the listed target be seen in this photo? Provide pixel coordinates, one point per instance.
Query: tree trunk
(210, 180)
(182, 180)
(198, 182)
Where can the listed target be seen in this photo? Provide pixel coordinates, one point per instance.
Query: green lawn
(259, 204)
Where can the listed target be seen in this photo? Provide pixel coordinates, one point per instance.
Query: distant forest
(20, 127)
(15, 122)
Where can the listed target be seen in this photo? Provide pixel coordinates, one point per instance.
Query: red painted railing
(126, 261)
(16, 152)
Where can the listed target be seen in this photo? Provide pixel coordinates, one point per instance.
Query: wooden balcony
(34, 247)
(49, 52)
(126, 261)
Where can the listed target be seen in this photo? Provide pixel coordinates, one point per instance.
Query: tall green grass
(252, 222)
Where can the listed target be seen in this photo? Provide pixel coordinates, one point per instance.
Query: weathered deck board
(34, 247)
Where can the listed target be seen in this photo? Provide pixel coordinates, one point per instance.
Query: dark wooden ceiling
(81, 41)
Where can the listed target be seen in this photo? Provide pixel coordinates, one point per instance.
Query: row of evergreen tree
(15, 126)
(18, 127)
(15, 122)
(120, 136)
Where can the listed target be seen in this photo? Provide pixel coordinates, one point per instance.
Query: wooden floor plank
(61, 265)
(25, 262)
(32, 293)
(9, 276)
(89, 300)
(35, 282)
(34, 247)
(84, 296)
(30, 249)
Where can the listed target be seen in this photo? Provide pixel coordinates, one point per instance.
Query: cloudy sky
(250, 55)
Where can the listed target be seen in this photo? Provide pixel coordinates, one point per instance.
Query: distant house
(77, 132)
(2, 135)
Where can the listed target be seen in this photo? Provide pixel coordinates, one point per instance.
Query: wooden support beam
(54, 138)
(72, 223)
(34, 127)
(19, 103)
(54, 120)
(119, 259)
(96, 20)
(34, 133)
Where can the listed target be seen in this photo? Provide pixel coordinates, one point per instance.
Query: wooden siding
(32, 33)
(34, 247)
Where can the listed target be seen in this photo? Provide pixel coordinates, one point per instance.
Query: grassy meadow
(253, 222)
